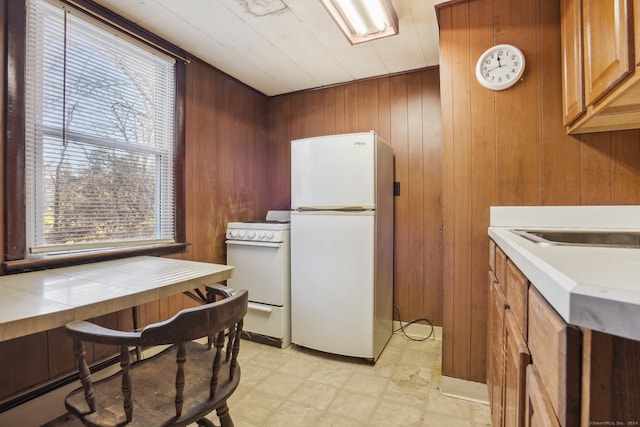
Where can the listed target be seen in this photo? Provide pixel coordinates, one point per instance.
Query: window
(98, 136)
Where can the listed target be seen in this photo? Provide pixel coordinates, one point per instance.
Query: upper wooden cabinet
(608, 56)
(572, 87)
(601, 77)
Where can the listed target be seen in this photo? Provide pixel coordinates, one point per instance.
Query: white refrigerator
(342, 244)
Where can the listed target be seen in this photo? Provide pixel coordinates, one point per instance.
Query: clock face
(500, 67)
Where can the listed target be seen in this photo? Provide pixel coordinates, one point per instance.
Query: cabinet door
(516, 360)
(516, 293)
(555, 349)
(572, 86)
(490, 328)
(608, 56)
(539, 411)
(495, 353)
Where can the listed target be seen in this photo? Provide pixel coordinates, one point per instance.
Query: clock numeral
(508, 77)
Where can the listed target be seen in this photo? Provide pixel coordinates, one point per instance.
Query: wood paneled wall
(405, 111)
(509, 148)
(226, 179)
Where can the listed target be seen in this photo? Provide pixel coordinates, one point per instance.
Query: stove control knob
(232, 234)
(241, 234)
(251, 235)
(270, 235)
(261, 235)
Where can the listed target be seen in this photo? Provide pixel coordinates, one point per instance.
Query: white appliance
(342, 244)
(260, 253)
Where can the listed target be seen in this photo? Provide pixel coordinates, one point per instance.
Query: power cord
(411, 323)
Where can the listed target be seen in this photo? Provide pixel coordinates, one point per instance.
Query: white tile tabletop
(42, 300)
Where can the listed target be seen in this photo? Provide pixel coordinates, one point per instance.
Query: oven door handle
(259, 307)
(261, 244)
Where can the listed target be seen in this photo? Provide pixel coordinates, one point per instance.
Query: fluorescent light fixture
(363, 20)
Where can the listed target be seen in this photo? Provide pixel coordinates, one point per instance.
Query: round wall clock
(499, 67)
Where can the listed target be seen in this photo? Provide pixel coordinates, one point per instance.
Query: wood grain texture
(538, 412)
(516, 360)
(555, 351)
(611, 379)
(404, 110)
(607, 56)
(520, 153)
(226, 157)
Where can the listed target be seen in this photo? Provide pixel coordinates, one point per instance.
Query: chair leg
(224, 416)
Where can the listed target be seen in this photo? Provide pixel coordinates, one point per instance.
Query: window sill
(31, 264)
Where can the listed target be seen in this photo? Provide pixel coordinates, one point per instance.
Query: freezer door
(332, 282)
(333, 171)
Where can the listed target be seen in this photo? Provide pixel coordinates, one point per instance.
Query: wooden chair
(177, 387)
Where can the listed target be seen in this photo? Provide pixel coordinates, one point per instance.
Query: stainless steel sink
(613, 239)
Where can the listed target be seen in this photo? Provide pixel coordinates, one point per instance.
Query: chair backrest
(197, 322)
(209, 320)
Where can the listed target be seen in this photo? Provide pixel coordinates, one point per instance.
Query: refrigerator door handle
(339, 209)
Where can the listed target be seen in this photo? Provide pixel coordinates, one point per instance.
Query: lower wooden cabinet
(526, 334)
(553, 373)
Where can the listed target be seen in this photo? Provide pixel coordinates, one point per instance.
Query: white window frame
(164, 193)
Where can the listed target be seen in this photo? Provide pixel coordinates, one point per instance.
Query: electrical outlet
(396, 188)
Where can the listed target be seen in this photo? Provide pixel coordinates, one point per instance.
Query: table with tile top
(42, 300)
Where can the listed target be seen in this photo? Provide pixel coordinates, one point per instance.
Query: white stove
(260, 252)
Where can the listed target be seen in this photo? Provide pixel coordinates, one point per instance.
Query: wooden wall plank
(461, 213)
(625, 167)
(414, 189)
(447, 88)
(367, 105)
(23, 364)
(432, 194)
(483, 182)
(560, 152)
(595, 169)
(399, 141)
(384, 108)
(518, 123)
(330, 107)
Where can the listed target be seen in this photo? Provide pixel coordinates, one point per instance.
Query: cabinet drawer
(555, 351)
(516, 294)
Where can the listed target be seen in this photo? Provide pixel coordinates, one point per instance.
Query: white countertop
(592, 287)
(43, 300)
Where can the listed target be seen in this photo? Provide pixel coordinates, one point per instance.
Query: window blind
(99, 135)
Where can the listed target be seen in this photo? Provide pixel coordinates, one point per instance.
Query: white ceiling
(282, 46)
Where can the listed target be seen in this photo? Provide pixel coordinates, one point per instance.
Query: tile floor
(299, 387)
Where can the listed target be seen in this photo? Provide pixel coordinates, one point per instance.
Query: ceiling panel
(282, 46)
